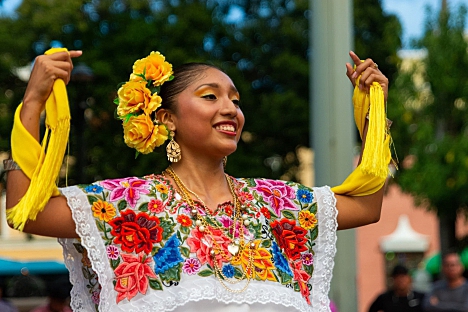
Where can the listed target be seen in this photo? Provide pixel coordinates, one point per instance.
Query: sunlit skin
(208, 124)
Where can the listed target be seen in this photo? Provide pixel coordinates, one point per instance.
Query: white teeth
(226, 128)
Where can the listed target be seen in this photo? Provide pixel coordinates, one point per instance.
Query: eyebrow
(216, 85)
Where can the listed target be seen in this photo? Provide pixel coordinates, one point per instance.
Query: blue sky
(410, 12)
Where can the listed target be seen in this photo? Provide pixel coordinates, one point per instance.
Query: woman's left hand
(369, 72)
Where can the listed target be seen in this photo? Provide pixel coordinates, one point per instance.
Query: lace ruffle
(193, 288)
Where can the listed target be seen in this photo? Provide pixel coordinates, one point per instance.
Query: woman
(192, 237)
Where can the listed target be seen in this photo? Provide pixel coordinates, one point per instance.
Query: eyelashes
(236, 102)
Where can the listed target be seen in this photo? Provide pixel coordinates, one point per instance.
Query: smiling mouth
(229, 128)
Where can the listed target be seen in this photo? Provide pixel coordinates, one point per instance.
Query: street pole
(333, 133)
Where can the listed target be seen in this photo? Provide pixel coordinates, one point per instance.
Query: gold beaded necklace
(236, 245)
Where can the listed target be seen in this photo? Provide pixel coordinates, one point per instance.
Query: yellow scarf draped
(370, 175)
(41, 163)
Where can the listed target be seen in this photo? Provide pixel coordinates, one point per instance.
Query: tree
(430, 134)
(265, 51)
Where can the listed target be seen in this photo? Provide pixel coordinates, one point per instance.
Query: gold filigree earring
(173, 149)
(224, 162)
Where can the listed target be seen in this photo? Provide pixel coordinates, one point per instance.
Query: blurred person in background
(451, 293)
(400, 297)
(5, 306)
(58, 297)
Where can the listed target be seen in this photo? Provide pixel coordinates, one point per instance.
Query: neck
(206, 179)
(456, 282)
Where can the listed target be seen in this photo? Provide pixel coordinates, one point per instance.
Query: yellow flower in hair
(143, 135)
(154, 68)
(133, 97)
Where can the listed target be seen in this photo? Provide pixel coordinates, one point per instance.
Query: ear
(167, 117)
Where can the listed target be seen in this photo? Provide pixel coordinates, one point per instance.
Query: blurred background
(421, 45)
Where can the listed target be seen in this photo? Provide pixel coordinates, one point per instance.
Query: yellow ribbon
(370, 175)
(41, 167)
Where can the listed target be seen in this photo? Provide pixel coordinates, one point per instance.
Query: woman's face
(208, 119)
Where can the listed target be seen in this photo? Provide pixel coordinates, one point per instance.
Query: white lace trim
(325, 248)
(194, 288)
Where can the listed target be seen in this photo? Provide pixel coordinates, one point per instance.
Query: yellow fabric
(42, 168)
(370, 175)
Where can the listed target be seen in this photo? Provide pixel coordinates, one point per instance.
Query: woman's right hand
(47, 68)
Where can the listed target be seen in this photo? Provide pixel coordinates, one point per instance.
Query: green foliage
(429, 105)
(265, 53)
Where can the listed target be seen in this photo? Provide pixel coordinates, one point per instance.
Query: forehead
(451, 259)
(211, 76)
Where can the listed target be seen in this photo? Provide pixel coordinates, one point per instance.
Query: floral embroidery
(202, 244)
(129, 188)
(93, 188)
(152, 240)
(156, 206)
(307, 219)
(136, 232)
(184, 220)
(103, 210)
(277, 194)
(168, 256)
(305, 196)
(191, 266)
(112, 252)
(290, 237)
(132, 276)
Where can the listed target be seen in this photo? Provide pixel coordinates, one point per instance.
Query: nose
(228, 107)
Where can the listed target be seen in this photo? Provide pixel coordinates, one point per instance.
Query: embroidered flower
(154, 67)
(156, 206)
(305, 196)
(202, 243)
(290, 237)
(228, 271)
(136, 233)
(168, 256)
(191, 266)
(103, 210)
(128, 188)
(227, 223)
(227, 208)
(162, 188)
(307, 258)
(280, 261)
(184, 220)
(245, 196)
(262, 263)
(132, 276)
(95, 297)
(302, 278)
(264, 210)
(277, 194)
(85, 259)
(307, 219)
(112, 252)
(93, 188)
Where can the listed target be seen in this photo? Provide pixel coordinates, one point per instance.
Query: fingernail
(354, 75)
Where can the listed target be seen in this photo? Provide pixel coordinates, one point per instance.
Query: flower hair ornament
(137, 101)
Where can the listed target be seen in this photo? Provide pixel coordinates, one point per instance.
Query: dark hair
(399, 270)
(183, 76)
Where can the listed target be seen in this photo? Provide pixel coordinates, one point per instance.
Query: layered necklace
(236, 246)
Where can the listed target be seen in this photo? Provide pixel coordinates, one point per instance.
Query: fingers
(369, 73)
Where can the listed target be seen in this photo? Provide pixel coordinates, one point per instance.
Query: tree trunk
(447, 236)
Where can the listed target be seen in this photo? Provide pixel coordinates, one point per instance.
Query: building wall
(370, 260)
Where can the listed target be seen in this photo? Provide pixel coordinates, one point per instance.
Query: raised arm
(354, 211)
(55, 220)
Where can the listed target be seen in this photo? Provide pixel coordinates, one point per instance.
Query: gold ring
(376, 66)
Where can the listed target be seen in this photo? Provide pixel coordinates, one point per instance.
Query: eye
(209, 97)
(236, 102)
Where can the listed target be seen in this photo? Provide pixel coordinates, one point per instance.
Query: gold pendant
(233, 249)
